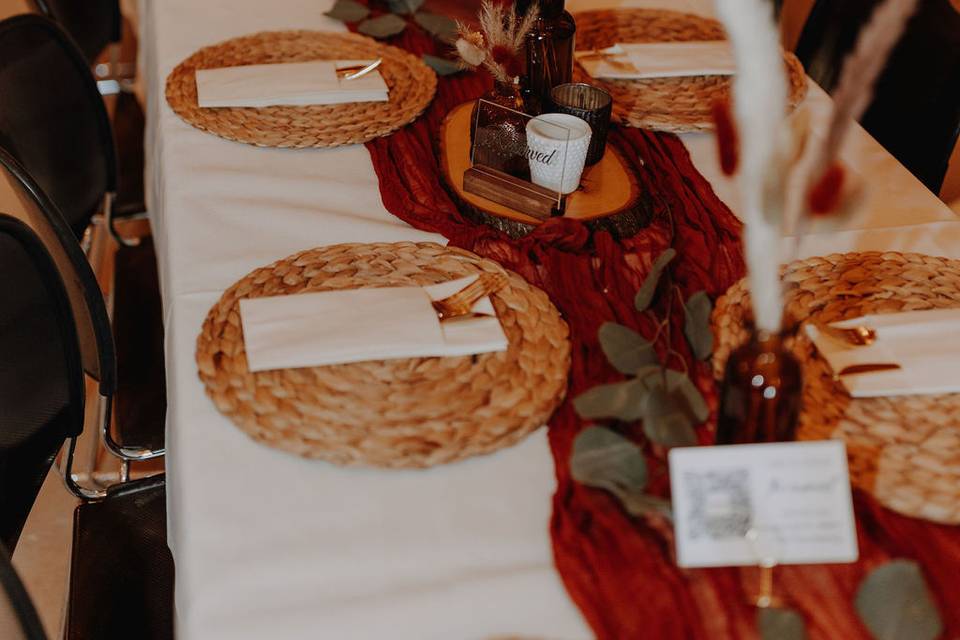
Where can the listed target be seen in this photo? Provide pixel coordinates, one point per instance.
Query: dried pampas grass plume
(498, 46)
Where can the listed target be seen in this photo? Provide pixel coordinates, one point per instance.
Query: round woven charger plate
(666, 104)
(904, 450)
(414, 412)
(411, 83)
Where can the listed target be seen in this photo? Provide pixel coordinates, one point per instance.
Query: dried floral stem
(824, 183)
(498, 45)
(760, 100)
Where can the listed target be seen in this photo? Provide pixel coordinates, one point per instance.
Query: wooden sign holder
(609, 197)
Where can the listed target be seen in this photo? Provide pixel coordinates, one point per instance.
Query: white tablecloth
(270, 546)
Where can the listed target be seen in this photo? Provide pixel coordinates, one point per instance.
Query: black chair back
(52, 117)
(23, 199)
(18, 618)
(915, 112)
(41, 378)
(93, 24)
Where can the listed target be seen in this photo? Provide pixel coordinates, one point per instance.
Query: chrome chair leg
(111, 223)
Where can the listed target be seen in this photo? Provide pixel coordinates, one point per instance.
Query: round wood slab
(608, 198)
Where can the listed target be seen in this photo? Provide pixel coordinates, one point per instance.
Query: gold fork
(859, 336)
(461, 303)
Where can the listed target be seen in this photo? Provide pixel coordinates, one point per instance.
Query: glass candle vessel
(761, 393)
(589, 103)
(549, 48)
(499, 114)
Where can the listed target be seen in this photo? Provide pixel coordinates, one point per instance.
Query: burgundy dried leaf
(825, 195)
(728, 143)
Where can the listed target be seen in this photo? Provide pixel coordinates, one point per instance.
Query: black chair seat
(128, 128)
(141, 400)
(915, 111)
(121, 574)
(93, 24)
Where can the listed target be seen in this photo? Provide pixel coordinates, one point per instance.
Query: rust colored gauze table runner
(620, 571)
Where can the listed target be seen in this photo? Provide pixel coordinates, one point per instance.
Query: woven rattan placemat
(394, 413)
(905, 450)
(665, 104)
(412, 85)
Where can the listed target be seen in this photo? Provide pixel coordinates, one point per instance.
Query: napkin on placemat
(289, 84)
(926, 345)
(337, 327)
(636, 61)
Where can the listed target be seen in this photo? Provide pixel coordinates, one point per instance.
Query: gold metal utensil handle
(461, 303)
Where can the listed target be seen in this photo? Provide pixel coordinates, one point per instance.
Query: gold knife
(867, 368)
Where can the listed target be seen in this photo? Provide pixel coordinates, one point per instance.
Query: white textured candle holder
(557, 144)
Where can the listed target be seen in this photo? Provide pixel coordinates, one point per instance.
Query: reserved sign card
(783, 503)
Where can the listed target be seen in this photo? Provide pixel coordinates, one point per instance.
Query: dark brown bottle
(549, 48)
(761, 392)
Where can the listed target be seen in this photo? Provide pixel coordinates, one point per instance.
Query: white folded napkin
(926, 344)
(289, 83)
(661, 60)
(336, 327)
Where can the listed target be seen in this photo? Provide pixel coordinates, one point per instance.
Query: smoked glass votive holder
(589, 103)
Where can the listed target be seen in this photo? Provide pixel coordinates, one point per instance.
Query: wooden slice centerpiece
(608, 197)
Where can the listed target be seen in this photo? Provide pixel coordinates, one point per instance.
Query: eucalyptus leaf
(780, 624)
(382, 26)
(620, 400)
(696, 325)
(695, 401)
(666, 420)
(680, 385)
(895, 604)
(626, 349)
(442, 66)
(649, 286)
(441, 27)
(604, 459)
(641, 504)
(348, 11)
(405, 7)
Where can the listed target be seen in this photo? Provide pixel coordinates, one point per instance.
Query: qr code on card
(720, 505)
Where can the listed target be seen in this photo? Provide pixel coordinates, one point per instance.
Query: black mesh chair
(121, 582)
(915, 112)
(88, 308)
(53, 120)
(58, 130)
(93, 24)
(18, 618)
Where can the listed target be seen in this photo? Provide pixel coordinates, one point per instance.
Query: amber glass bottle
(762, 391)
(549, 48)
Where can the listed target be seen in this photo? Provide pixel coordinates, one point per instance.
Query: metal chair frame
(101, 365)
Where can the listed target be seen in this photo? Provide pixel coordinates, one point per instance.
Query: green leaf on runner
(696, 325)
(780, 624)
(348, 11)
(894, 603)
(626, 349)
(405, 7)
(649, 287)
(382, 26)
(666, 420)
(679, 385)
(442, 66)
(641, 504)
(604, 459)
(441, 27)
(620, 400)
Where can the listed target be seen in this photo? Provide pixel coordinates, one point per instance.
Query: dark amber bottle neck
(548, 8)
